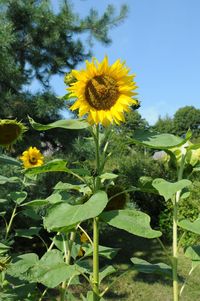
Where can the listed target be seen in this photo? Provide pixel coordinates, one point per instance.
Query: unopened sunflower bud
(69, 79)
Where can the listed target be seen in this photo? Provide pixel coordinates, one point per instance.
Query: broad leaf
(36, 203)
(83, 188)
(18, 196)
(106, 271)
(155, 140)
(3, 248)
(190, 226)
(132, 221)
(105, 252)
(145, 267)
(145, 185)
(51, 166)
(23, 263)
(9, 160)
(69, 124)
(65, 217)
(193, 252)
(27, 233)
(4, 180)
(51, 270)
(168, 189)
(108, 176)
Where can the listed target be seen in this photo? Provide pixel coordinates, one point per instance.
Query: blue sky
(160, 42)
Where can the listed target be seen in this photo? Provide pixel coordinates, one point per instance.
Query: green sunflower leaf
(51, 166)
(9, 160)
(193, 252)
(106, 271)
(168, 189)
(18, 196)
(27, 233)
(190, 226)
(69, 124)
(64, 217)
(11, 180)
(157, 141)
(145, 267)
(132, 221)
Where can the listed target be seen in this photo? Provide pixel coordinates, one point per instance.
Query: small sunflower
(10, 132)
(32, 157)
(103, 92)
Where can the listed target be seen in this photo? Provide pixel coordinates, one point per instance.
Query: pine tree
(36, 43)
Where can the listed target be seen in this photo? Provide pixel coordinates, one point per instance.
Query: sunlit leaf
(106, 271)
(157, 141)
(69, 124)
(65, 216)
(190, 226)
(193, 252)
(51, 270)
(51, 166)
(106, 252)
(168, 189)
(132, 221)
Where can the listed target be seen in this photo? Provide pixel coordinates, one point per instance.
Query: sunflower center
(32, 160)
(101, 92)
(8, 133)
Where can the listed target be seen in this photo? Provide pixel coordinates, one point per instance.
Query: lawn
(135, 286)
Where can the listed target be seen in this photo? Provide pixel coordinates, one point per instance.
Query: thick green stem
(95, 278)
(175, 234)
(96, 259)
(175, 253)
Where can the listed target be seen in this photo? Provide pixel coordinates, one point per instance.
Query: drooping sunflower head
(104, 92)
(32, 157)
(118, 198)
(10, 132)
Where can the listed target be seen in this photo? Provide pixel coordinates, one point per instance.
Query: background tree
(164, 125)
(185, 118)
(37, 43)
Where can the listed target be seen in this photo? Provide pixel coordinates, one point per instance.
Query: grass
(134, 286)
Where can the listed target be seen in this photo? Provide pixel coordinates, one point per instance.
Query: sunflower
(10, 132)
(32, 157)
(103, 92)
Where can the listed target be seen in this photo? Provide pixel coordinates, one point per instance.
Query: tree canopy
(36, 43)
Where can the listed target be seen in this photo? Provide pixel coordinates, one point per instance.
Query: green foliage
(36, 43)
(184, 118)
(148, 268)
(137, 222)
(188, 209)
(187, 118)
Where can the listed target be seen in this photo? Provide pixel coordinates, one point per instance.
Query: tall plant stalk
(96, 292)
(175, 235)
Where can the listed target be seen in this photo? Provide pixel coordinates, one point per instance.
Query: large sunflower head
(104, 92)
(10, 132)
(32, 157)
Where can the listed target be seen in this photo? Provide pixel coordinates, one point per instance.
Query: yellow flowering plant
(102, 94)
(32, 157)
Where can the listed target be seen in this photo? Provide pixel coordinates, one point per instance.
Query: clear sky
(160, 42)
